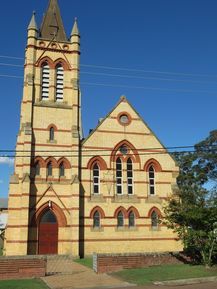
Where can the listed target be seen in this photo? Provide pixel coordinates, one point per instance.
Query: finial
(123, 98)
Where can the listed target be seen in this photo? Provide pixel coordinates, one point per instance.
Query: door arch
(48, 233)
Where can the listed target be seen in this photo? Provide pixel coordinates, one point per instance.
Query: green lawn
(88, 262)
(162, 273)
(23, 284)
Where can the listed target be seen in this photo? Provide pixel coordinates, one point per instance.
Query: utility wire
(129, 69)
(107, 155)
(126, 76)
(128, 86)
(107, 150)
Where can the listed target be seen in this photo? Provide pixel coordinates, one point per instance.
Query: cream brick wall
(71, 197)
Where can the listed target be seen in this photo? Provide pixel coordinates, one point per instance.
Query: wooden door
(48, 234)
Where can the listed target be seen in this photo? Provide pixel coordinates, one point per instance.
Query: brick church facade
(72, 195)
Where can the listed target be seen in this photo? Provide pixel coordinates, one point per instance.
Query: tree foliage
(192, 212)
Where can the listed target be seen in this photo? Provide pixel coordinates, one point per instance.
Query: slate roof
(52, 24)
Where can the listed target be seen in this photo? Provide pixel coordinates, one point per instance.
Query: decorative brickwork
(16, 268)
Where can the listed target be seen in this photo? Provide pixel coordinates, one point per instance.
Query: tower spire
(75, 30)
(32, 23)
(52, 25)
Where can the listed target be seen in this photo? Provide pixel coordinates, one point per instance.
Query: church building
(72, 195)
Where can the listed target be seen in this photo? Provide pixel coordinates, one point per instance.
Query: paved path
(76, 276)
(210, 285)
(82, 277)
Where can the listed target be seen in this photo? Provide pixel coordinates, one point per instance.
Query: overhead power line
(108, 155)
(130, 69)
(102, 155)
(107, 150)
(129, 86)
(126, 76)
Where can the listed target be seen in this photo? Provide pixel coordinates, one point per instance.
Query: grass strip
(23, 284)
(149, 275)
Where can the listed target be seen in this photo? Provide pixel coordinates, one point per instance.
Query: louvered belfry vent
(59, 83)
(45, 82)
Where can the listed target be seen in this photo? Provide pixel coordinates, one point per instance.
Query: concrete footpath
(83, 277)
(76, 276)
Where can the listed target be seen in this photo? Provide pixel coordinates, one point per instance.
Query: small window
(120, 219)
(151, 180)
(37, 169)
(119, 176)
(45, 81)
(129, 177)
(62, 170)
(51, 134)
(59, 82)
(96, 220)
(154, 219)
(49, 170)
(96, 179)
(124, 119)
(131, 219)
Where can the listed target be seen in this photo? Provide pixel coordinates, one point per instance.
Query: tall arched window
(45, 81)
(37, 169)
(59, 82)
(96, 220)
(62, 170)
(120, 219)
(49, 170)
(154, 219)
(119, 176)
(131, 219)
(96, 179)
(151, 173)
(129, 177)
(51, 134)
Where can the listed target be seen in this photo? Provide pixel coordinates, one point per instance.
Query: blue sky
(167, 50)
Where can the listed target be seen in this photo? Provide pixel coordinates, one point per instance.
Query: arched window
(131, 219)
(37, 169)
(45, 81)
(154, 219)
(151, 173)
(96, 220)
(120, 219)
(96, 179)
(59, 82)
(129, 177)
(51, 134)
(62, 170)
(119, 176)
(49, 170)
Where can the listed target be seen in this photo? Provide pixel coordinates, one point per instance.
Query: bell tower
(44, 188)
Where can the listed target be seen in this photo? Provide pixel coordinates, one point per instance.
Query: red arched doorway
(48, 234)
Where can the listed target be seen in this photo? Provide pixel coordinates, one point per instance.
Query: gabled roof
(124, 99)
(52, 24)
